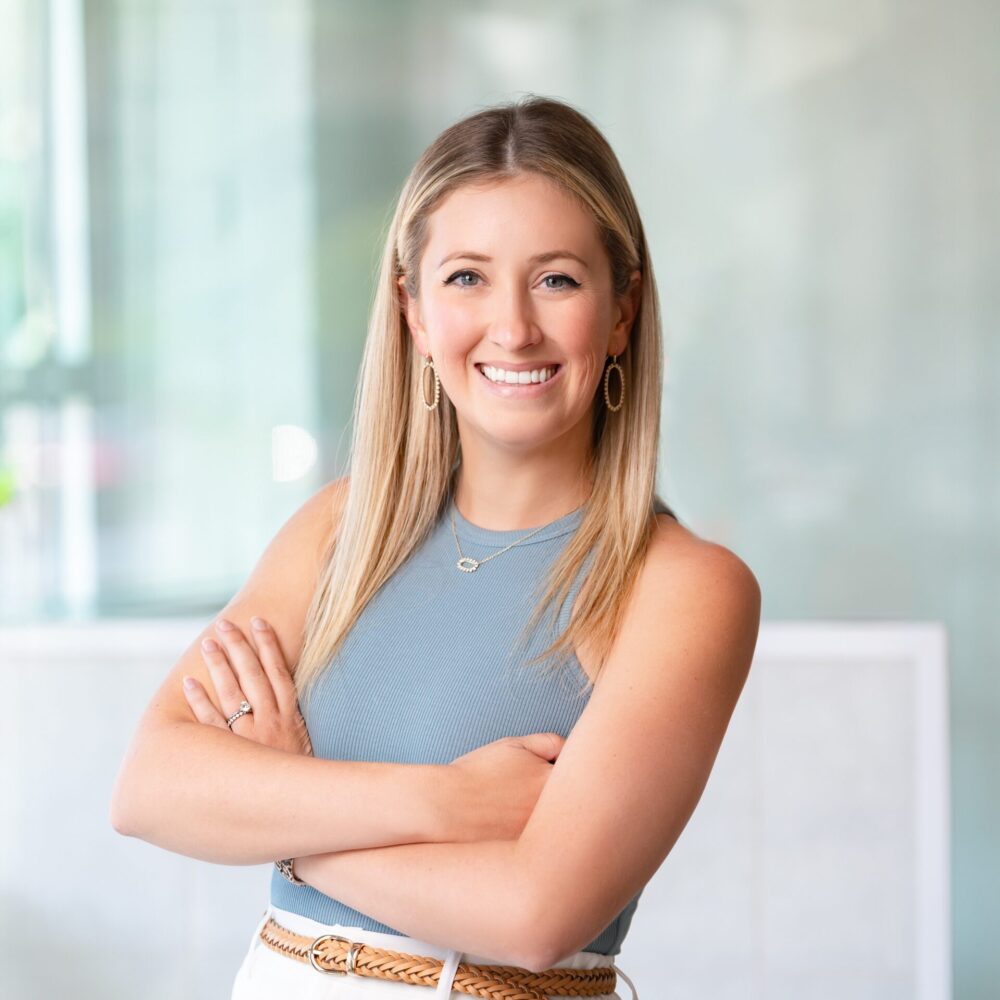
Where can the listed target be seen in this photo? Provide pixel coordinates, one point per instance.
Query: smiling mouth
(521, 378)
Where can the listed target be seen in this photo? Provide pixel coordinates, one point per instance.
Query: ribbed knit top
(427, 674)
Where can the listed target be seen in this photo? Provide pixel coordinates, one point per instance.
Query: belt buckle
(351, 955)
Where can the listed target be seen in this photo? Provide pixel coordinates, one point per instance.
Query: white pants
(266, 975)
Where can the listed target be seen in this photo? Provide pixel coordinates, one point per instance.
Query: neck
(518, 499)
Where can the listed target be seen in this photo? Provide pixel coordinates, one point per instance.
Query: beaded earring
(607, 376)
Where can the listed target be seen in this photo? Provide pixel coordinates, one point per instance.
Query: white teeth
(517, 378)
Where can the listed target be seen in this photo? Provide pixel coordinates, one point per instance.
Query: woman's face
(514, 277)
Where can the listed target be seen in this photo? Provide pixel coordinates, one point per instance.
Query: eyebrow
(539, 258)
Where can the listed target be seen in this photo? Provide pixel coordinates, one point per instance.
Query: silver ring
(244, 709)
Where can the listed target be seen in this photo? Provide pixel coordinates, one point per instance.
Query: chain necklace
(469, 565)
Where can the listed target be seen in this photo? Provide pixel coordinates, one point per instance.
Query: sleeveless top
(428, 673)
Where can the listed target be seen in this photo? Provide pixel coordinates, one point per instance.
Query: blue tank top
(427, 674)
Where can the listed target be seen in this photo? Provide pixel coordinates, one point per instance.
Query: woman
(492, 793)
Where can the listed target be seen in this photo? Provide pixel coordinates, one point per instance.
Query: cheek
(587, 375)
(452, 330)
(447, 312)
(455, 341)
(582, 325)
(583, 343)
(592, 369)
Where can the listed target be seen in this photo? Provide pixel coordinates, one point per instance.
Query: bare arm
(215, 796)
(424, 890)
(198, 791)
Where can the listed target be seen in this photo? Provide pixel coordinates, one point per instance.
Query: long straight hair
(403, 456)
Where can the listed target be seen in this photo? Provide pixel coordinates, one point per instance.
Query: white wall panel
(815, 866)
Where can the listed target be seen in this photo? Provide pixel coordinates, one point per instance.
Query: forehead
(520, 216)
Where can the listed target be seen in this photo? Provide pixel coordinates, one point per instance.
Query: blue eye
(562, 277)
(459, 274)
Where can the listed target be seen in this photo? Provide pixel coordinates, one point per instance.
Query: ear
(410, 309)
(627, 305)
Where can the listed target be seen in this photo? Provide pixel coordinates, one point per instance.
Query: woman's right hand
(258, 672)
(498, 785)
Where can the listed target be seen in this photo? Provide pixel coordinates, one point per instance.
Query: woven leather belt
(337, 955)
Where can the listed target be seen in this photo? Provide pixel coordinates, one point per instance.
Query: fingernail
(209, 645)
(258, 623)
(189, 683)
(224, 624)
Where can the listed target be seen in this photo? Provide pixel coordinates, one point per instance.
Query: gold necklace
(469, 565)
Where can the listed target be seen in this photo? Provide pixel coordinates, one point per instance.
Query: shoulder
(291, 561)
(280, 586)
(703, 577)
(691, 594)
(326, 505)
(676, 553)
(682, 566)
(311, 525)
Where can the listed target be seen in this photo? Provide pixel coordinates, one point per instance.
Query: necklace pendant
(467, 564)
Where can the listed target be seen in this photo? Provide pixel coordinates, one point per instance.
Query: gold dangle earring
(621, 376)
(423, 382)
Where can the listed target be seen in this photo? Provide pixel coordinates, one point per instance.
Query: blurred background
(193, 197)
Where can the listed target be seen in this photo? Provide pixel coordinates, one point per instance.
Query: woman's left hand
(258, 675)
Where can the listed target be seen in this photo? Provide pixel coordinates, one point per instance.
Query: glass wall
(161, 408)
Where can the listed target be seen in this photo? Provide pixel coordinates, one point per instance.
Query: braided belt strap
(335, 955)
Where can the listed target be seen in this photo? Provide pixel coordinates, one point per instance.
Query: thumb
(546, 745)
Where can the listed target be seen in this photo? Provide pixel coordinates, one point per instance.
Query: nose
(514, 325)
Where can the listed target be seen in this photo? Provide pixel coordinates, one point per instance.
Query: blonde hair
(403, 456)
